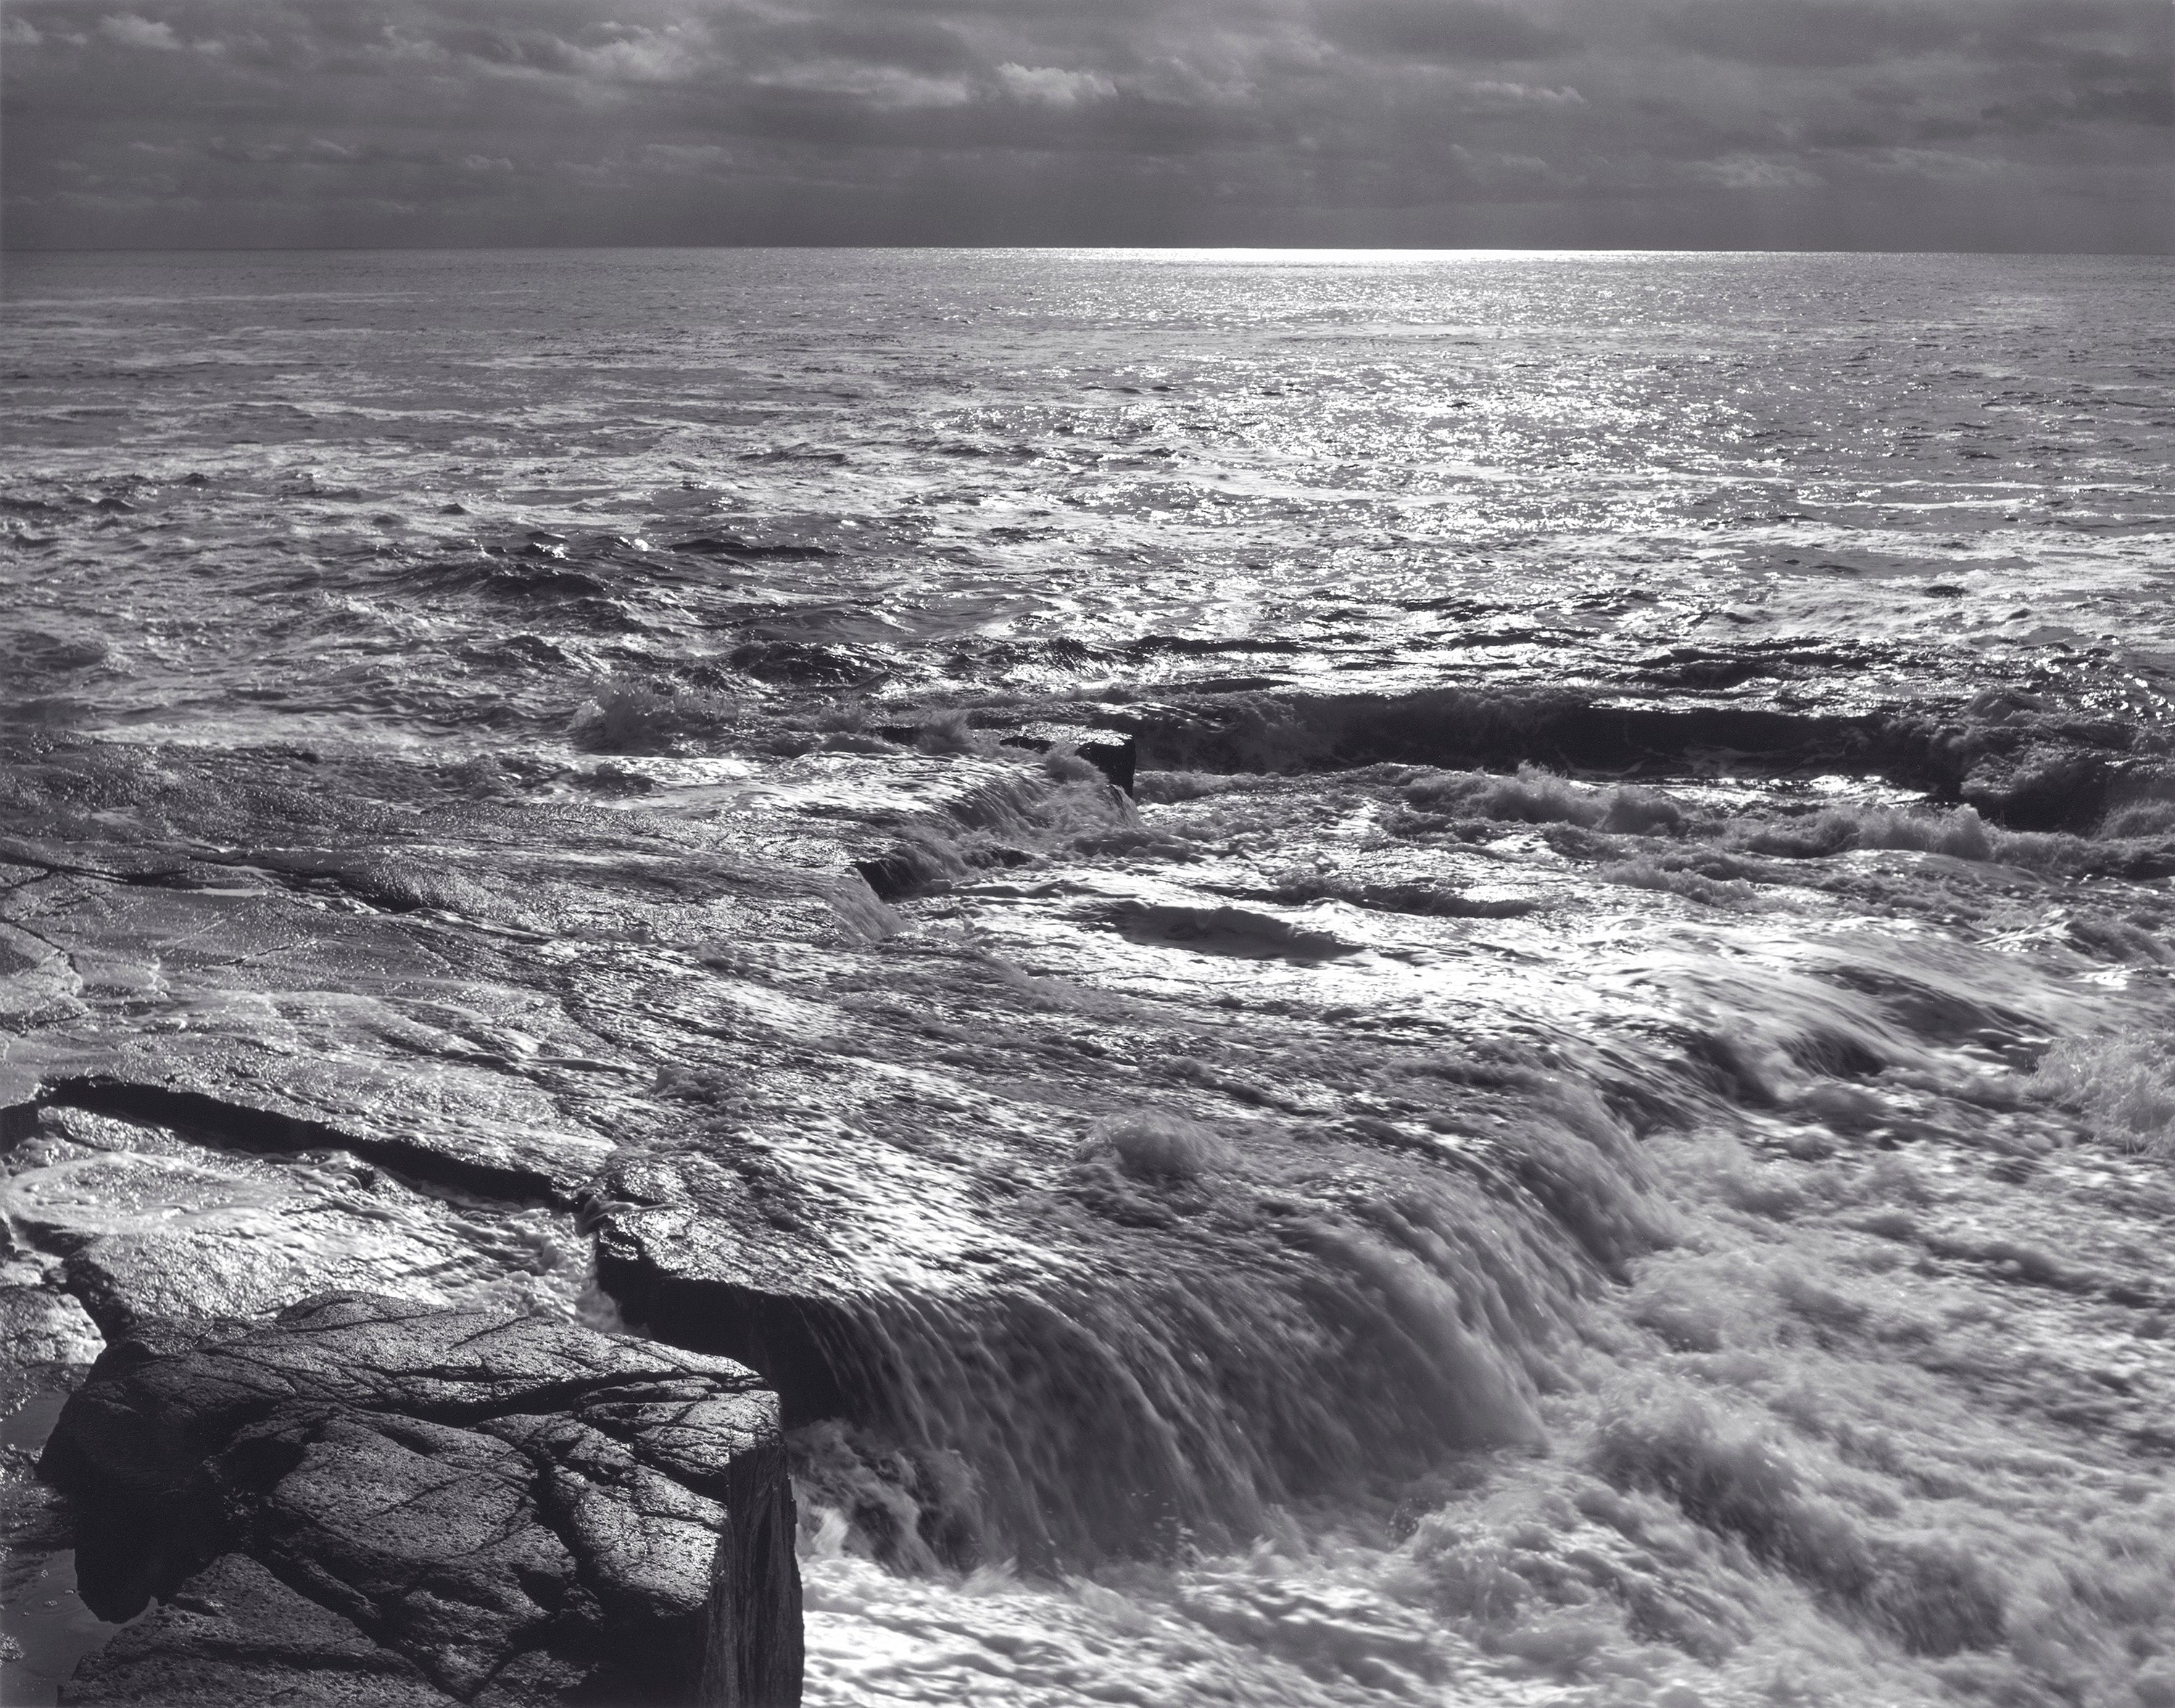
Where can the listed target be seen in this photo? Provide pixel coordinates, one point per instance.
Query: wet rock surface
(373, 1501)
(142, 1223)
(1141, 1171)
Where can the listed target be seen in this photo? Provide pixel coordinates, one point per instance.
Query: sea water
(1649, 773)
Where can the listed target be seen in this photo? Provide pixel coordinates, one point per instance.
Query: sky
(1898, 124)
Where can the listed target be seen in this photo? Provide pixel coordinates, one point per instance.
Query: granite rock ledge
(370, 1501)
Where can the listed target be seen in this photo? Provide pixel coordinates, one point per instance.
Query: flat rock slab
(145, 1223)
(374, 1501)
(373, 957)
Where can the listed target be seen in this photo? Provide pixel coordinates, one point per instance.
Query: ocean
(1446, 976)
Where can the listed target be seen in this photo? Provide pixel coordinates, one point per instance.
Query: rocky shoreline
(449, 1204)
(320, 1078)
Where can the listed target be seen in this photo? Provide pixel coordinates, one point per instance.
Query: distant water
(432, 498)
(1668, 754)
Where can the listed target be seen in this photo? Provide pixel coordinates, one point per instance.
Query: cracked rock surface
(276, 1026)
(370, 1500)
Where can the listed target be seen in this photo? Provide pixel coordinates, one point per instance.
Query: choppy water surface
(1598, 1129)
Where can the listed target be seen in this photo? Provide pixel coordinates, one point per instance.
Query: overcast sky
(1802, 123)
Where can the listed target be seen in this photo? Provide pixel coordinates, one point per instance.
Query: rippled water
(1597, 1128)
(431, 496)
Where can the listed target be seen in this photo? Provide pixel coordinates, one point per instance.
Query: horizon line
(9, 249)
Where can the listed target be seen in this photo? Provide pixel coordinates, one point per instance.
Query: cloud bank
(2017, 124)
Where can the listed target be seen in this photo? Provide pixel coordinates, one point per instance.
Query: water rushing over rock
(1405, 1055)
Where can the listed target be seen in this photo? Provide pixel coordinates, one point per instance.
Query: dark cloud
(2003, 123)
(1821, 32)
(915, 44)
(1444, 32)
(1826, 33)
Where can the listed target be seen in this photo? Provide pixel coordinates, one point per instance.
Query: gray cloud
(1810, 32)
(2001, 124)
(1447, 32)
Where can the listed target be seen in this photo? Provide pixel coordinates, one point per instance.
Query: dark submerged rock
(501, 1510)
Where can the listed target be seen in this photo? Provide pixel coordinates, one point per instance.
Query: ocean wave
(652, 714)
